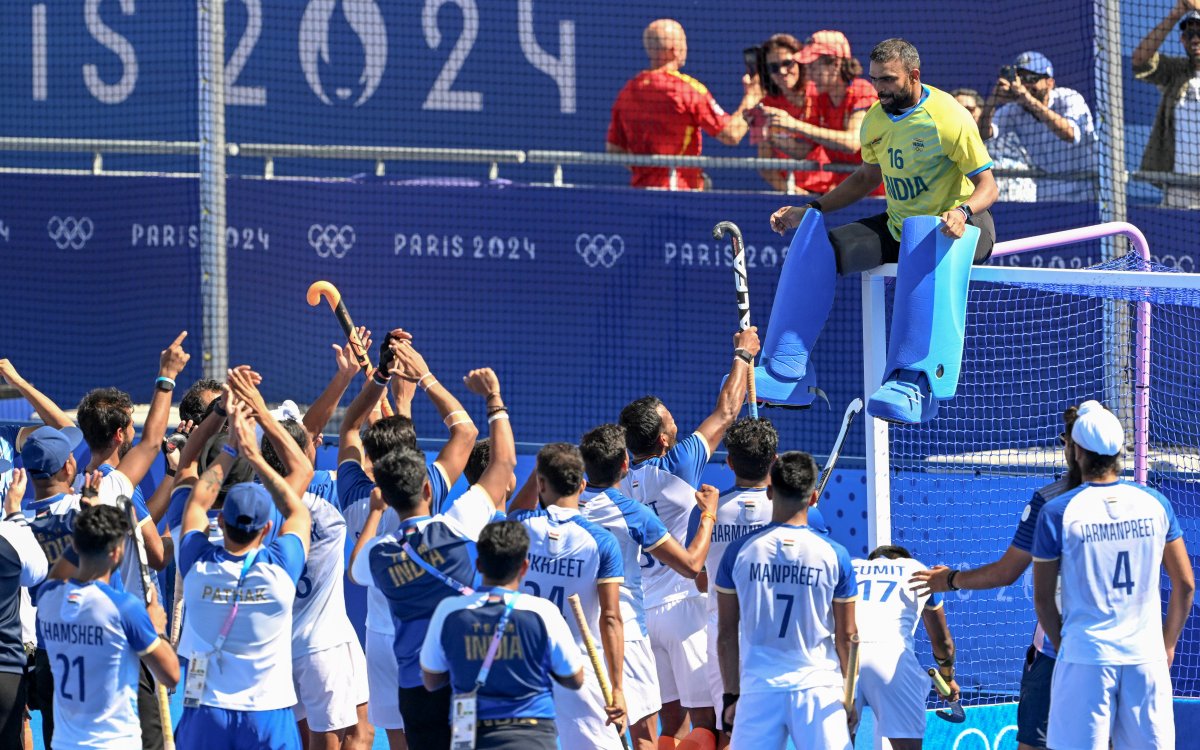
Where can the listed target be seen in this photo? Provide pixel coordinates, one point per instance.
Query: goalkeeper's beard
(895, 104)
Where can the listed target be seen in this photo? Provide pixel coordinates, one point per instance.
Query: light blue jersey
(94, 635)
(637, 531)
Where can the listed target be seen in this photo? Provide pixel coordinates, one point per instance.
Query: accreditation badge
(197, 675)
(462, 722)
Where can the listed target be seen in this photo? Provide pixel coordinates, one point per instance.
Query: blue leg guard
(928, 321)
(802, 303)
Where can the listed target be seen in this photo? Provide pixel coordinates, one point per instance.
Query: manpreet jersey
(569, 554)
(787, 579)
(319, 619)
(926, 154)
(637, 531)
(94, 635)
(1110, 539)
(886, 610)
(667, 484)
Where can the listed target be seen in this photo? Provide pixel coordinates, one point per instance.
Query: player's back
(740, 511)
(319, 619)
(787, 579)
(886, 611)
(93, 635)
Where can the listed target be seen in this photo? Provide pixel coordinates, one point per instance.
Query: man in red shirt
(663, 111)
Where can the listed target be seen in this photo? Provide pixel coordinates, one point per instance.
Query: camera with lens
(1009, 73)
(756, 65)
(175, 439)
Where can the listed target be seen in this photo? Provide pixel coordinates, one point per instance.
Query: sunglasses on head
(779, 67)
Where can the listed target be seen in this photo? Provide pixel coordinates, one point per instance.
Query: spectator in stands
(1004, 151)
(971, 101)
(788, 90)
(839, 100)
(1051, 126)
(663, 111)
(1174, 144)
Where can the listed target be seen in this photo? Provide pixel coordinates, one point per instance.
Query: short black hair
(897, 49)
(890, 551)
(298, 433)
(192, 407)
(103, 413)
(603, 453)
(401, 475)
(387, 434)
(1095, 464)
(477, 462)
(501, 549)
(643, 424)
(99, 529)
(793, 477)
(240, 536)
(562, 467)
(751, 443)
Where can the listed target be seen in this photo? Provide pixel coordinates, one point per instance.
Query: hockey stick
(854, 408)
(594, 655)
(851, 674)
(177, 609)
(160, 690)
(741, 284)
(326, 289)
(956, 714)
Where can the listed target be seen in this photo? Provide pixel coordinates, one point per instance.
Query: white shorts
(892, 683)
(1134, 700)
(679, 639)
(640, 680)
(330, 686)
(580, 714)
(812, 718)
(383, 677)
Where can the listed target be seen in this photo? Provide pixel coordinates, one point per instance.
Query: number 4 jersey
(1110, 539)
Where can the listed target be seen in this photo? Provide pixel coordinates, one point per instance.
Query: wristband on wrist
(816, 205)
(380, 381)
(496, 410)
(170, 472)
(965, 210)
(498, 415)
(163, 383)
(743, 355)
(950, 581)
(227, 448)
(220, 410)
(708, 514)
(727, 700)
(449, 418)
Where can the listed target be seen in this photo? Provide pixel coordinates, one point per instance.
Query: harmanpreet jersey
(446, 542)
(569, 554)
(926, 154)
(319, 619)
(886, 610)
(740, 511)
(787, 579)
(637, 531)
(1110, 539)
(667, 484)
(94, 635)
(253, 671)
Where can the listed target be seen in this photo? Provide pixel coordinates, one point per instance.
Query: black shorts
(1033, 712)
(426, 717)
(517, 734)
(868, 243)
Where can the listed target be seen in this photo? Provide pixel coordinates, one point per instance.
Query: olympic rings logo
(600, 250)
(330, 239)
(69, 231)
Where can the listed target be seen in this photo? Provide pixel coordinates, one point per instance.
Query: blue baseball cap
(47, 449)
(1192, 16)
(247, 506)
(1034, 62)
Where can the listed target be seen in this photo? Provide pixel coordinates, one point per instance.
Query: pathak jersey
(252, 671)
(93, 635)
(569, 554)
(354, 492)
(1023, 540)
(319, 619)
(926, 154)
(536, 645)
(740, 511)
(446, 542)
(637, 531)
(886, 610)
(786, 579)
(667, 484)
(1110, 539)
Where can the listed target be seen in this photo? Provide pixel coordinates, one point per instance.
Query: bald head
(665, 43)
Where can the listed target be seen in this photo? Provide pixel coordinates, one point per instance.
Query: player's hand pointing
(933, 581)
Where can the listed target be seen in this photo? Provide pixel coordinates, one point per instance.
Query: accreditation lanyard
(461, 588)
(228, 625)
(494, 647)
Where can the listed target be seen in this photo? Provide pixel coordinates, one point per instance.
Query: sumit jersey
(569, 554)
(787, 579)
(1109, 539)
(926, 155)
(94, 635)
(886, 610)
(637, 531)
(740, 511)
(319, 619)
(667, 485)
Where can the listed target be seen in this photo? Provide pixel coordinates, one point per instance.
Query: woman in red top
(836, 109)
(788, 92)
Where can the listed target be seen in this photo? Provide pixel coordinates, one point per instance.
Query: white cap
(1098, 430)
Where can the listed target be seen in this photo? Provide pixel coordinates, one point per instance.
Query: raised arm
(140, 457)
(300, 471)
(499, 472)
(733, 393)
(689, 562)
(319, 414)
(1144, 52)
(1183, 592)
(46, 409)
(370, 529)
(349, 440)
(296, 518)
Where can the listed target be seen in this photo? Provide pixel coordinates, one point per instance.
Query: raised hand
(706, 498)
(407, 362)
(241, 382)
(242, 436)
(16, 491)
(173, 359)
(482, 382)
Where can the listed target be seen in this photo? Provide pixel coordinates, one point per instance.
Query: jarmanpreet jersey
(94, 635)
(667, 485)
(786, 579)
(886, 610)
(637, 531)
(1110, 539)
(569, 554)
(926, 155)
(319, 619)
